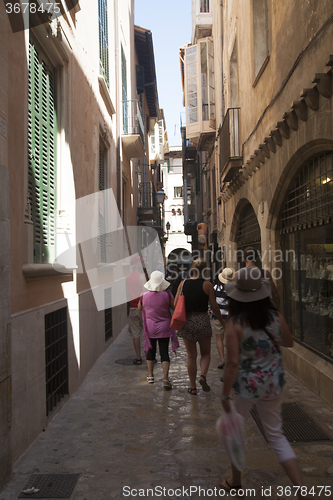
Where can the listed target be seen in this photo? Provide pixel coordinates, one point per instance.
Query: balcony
(147, 209)
(133, 134)
(230, 149)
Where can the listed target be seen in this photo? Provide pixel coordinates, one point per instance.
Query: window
(200, 92)
(260, 36)
(178, 191)
(42, 133)
(160, 140)
(191, 84)
(56, 358)
(103, 40)
(101, 215)
(107, 314)
(204, 6)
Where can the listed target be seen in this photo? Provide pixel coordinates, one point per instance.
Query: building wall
(266, 106)
(83, 121)
(5, 323)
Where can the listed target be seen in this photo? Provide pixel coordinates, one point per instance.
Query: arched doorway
(248, 232)
(306, 221)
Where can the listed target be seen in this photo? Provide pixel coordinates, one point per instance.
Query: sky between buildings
(170, 23)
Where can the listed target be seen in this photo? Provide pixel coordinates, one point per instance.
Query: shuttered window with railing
(103, 40)
(42, 132)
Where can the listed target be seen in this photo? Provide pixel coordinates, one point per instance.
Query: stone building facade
(269, 154)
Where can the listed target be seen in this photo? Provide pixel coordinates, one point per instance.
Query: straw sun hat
(157, 283)
(227, 275)
(248, 286)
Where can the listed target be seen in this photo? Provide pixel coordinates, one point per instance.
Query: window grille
(248, 228)
(103, 40)
(108, 314)
(310, 199)
(42, 131)
(56, 358)
(124, 90)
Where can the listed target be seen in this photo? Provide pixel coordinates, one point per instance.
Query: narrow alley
(124, 436)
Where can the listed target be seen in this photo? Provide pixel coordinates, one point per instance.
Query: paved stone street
(117, 431)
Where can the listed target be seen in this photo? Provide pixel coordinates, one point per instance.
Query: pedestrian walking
(155, 306)
(197, 329)
(254, 332)
(224, 277)
(134, 284)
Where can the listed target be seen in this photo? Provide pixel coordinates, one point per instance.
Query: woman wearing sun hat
(155, 305)
(254, 332)
(221, 297)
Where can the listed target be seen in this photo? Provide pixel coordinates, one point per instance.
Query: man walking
(134, 283)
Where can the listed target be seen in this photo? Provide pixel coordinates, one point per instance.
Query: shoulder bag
(178, 319)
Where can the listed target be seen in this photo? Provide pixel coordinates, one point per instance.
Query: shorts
(217, 328)
(135, 328)
(197, 327)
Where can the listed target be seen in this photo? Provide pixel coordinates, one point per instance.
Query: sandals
(150, 380)
(192, 391)
(224, 485)
(203, 383)
(137, 361)
(167, 385)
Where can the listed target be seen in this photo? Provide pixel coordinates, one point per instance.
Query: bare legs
(191, 349)
(136, 343)
(220, 347)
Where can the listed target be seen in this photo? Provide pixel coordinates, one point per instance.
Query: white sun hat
(157, 283)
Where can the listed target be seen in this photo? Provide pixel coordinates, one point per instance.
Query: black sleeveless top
(196, 300)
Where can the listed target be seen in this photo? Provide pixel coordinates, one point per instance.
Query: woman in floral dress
(255, 330)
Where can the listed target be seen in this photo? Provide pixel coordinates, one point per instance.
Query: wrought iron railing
(147, 195)
(132, 119)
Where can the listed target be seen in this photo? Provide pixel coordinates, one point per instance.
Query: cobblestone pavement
(119, 432)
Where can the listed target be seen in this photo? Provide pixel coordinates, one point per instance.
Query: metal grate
(108, 314)
(248, 228)
(297, 424)
(56, 358)
(311, 195)
(50, 485)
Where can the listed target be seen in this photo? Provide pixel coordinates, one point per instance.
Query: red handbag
(178, 319)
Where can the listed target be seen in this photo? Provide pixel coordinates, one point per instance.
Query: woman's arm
(233, 334)
(287, 339)
(209, 290)
(140, 305)
(172, 301)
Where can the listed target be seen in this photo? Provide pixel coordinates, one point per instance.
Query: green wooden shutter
(101, 217)
(42, 127)
(103, 40)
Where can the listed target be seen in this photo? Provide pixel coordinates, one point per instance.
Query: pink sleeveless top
(156, 318)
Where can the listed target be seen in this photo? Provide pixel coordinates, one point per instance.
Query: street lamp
(168, 226)
(160, 196)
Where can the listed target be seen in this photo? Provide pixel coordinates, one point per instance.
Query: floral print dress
(260, 371)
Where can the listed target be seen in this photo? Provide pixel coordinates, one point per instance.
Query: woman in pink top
(155, 305)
